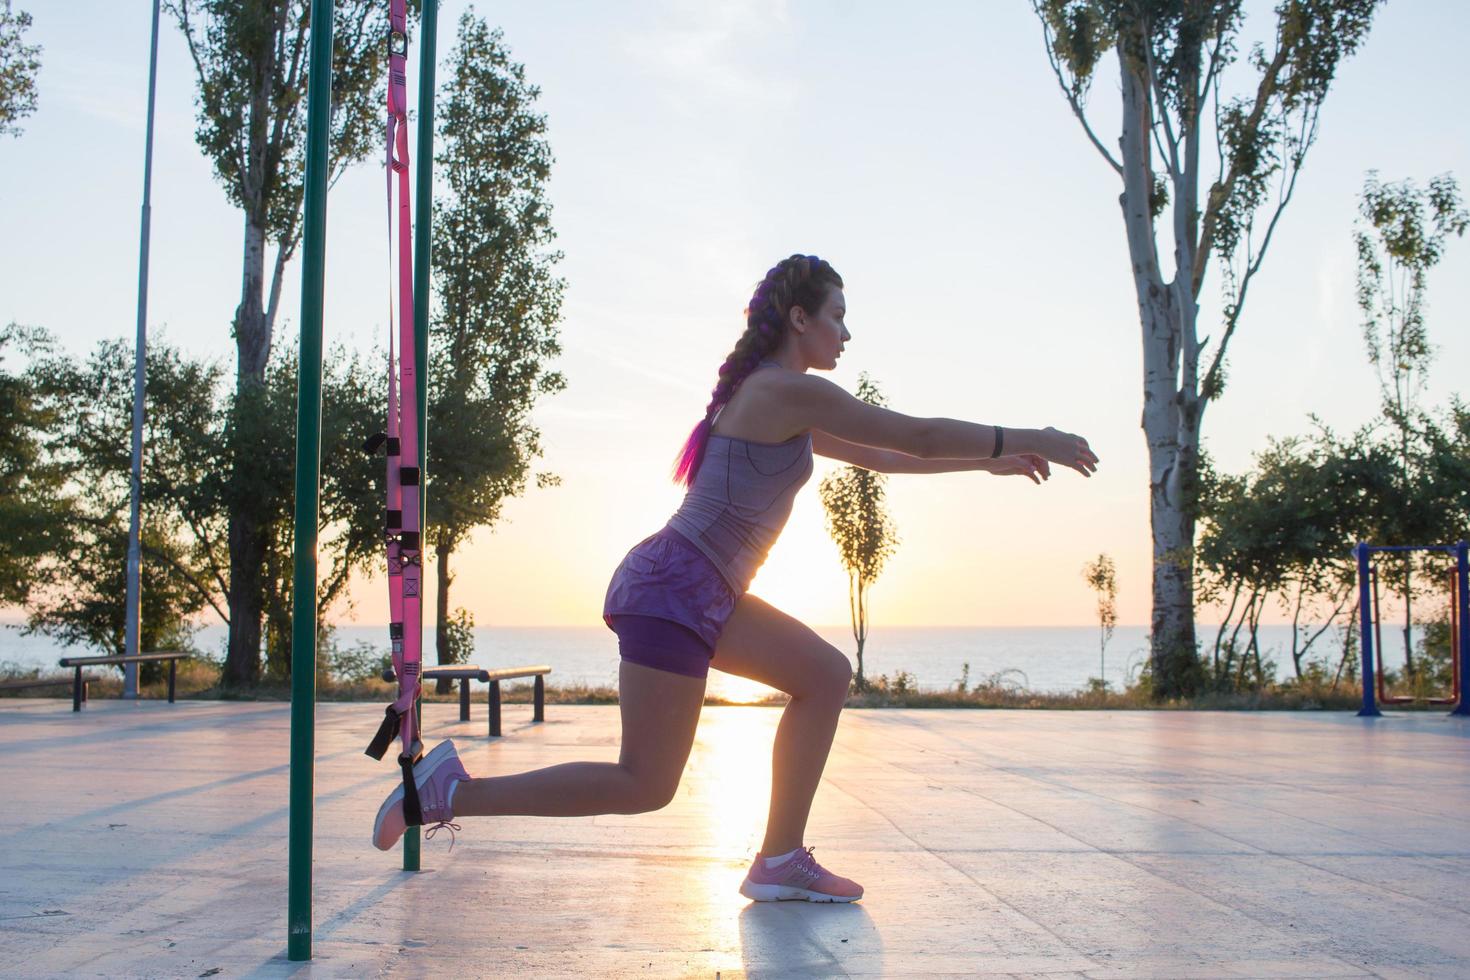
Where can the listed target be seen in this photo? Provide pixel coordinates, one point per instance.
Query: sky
(924, 150)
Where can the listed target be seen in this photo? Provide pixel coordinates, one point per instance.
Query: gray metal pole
(134, 590)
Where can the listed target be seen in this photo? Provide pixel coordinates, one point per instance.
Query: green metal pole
(308, 487)
(424, 208)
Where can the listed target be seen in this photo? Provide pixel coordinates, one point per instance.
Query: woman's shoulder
(789, 397)
(764, 409)
(795, 386)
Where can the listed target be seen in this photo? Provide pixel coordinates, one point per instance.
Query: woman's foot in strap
(435, 776)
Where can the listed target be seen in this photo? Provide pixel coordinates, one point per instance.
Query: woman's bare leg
(764, 644)
(660, 711)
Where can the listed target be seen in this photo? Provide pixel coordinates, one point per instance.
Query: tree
(19, 65)
(1400, 237)
(864, 532)
(187, 482)
(1171, 57)
(88, 407)
(1101, 577)
(1285, 530)
(1445, 488)
(350, 498)
(499, 304)
(33, 503)
(250, 58)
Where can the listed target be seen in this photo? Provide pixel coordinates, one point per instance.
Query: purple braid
(801, 280)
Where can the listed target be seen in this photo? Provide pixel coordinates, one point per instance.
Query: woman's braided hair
(801, 280)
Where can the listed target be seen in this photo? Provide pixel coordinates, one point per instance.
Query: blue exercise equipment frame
(1460, 618)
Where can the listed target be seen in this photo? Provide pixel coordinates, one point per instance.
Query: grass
(199, 680)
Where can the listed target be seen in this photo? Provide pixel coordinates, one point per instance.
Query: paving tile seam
(1231, 803)
(1305, 862)
(1242, 781)
(153, 727)
(892, 790)
(961, 871)
(1291, 815)
(1030, 774)
(1411, 755)
(1123, 857)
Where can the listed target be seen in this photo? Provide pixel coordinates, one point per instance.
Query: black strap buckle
(387, 732)
(377, 441)
(413, 811)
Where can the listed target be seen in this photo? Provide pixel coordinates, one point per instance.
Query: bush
(358, 663)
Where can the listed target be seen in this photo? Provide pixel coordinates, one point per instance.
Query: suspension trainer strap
(401, 526)
(413, 811)
(387, 732)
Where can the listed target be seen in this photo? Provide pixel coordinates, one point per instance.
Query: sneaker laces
(807, 864)
(452, 827)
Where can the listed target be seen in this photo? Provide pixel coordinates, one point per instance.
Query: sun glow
(736, 689)
(803, 576)
(733, 750)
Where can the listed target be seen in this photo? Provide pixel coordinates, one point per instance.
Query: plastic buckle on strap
(387, 732)
(397, 43)
(377, 441)
(413, 813)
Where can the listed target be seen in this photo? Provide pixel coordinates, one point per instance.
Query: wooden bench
(23, 684)
(78, 694)
(464, 673)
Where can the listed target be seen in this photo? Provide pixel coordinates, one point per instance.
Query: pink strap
(404, 542)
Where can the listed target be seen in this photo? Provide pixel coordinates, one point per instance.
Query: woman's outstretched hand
(1066, 449)
(1026, 464)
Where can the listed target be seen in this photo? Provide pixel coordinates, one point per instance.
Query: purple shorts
(668, 605)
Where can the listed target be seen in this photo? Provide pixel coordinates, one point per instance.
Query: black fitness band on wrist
(1000, 438)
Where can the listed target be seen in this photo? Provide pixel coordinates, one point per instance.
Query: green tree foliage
(1285, 530)
(351, 496)
(1428, 505)
(250, 61)
(499, 303)
(1171, 59)
(88, 438)
(20, 63)
(34, 511)
(251, 66)
(1101, 577)
(192, 433)
(862, 529)
(1401, 235)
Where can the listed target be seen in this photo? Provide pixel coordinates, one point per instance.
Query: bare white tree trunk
(1166, 314)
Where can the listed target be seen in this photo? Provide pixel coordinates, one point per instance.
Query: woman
(678, 604)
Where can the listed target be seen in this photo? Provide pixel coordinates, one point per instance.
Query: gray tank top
(740, 500)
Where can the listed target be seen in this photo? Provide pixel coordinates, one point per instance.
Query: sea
(1043, 659)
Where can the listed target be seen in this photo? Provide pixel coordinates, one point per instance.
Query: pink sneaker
(434, 774)
(798, 878)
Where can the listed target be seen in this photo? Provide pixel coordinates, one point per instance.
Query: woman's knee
(841, 678)
(845, 680)
(650, 791)
(829, 678)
